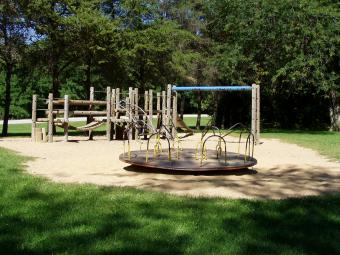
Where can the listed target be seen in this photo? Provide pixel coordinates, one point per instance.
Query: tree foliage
(290, 48)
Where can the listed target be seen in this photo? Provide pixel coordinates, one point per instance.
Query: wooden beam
(80, 113)
(79, 102)
(42, 119)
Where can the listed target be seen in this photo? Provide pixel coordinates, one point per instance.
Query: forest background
(290, 48)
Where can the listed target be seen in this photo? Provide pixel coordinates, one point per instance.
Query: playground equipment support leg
(150, 105)
(34, 116)
(108, 114)
(50, 117)
(90, 118)
(255, 112)
(168, 105)
(66, 111)
(174, 114)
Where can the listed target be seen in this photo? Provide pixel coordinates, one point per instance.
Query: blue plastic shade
(211, 88)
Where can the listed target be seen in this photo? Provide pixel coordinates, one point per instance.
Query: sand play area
(283, 170)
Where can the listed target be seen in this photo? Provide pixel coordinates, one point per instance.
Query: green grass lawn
(40, 217)
(327, 143)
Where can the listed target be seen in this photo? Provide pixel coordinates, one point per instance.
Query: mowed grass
(40, 217)
(25, 129)
(325, 142)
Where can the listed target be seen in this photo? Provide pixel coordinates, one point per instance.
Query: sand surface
(283, 170)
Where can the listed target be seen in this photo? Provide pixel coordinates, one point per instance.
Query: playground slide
(181, 124)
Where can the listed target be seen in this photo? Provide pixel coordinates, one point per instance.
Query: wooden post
(108, 114)
(66, 108)
(136, 99)
(90, 118)
(131, 99)
(257, 137)
(136, 108)
(168, 105)
(34, 116)
(117, 101)
(91, 94)
(146, 104)
(158, 107)
(116, 112)
(44, 138)
(128, 110)
(174, 114)
(127, 106)
(131, 111)
(50, 117)
(150, 105)
(113, 102)
(113, 111)
(253, 110)
(38, 135)
(164, 121)
(158, 102)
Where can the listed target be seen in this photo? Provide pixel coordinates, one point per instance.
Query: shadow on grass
(39, 217)
(140, 223)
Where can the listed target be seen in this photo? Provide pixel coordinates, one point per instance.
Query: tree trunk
(9, 70)
(55, 86)
(55, 81)
(182, 106)
(219, 111)
(334, 111)
(89, 119)
(199, 111)
(88, 79)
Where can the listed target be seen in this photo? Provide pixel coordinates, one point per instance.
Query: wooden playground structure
(126, 108)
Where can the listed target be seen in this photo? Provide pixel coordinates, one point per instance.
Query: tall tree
(289, 48)
(150, 45)
(12, 43)
(50, 22)
(93, 37)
